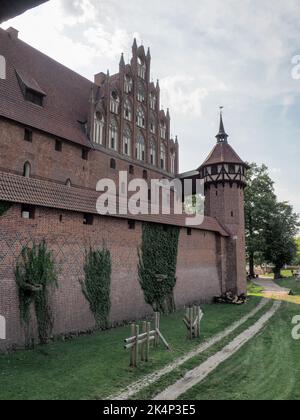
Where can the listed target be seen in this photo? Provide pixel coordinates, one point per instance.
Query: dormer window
(34, 97)
(114, 102)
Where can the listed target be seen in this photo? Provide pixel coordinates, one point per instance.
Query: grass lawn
(267, 368)
(97, 366)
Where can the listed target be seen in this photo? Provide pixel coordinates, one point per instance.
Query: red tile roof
(67, 93)
(18, 189)
(222, 153)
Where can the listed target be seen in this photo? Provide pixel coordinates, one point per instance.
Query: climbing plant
(4, 207)
(157, 265)
(96, 285)
(35, 274)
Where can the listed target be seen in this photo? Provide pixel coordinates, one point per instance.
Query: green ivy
(157, 265)
(4, 207)
(96, 285)
(35, 273)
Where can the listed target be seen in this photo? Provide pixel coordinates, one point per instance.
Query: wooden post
(143, 345)
(156, 328)
(133, 349)
(148, 341)
(191, 323)
(199, 320)
(136, 355)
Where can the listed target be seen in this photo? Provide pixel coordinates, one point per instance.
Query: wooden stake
(144, 330)
(191, 323)
(136, 355)
(132, 351)
(148, 341)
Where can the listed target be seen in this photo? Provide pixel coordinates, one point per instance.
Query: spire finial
(222, 136)
(122, 61)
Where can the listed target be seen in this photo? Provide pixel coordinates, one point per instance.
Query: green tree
(260, 199)
(297, 258)
(281, 229)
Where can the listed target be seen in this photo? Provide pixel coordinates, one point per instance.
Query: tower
(224, 179)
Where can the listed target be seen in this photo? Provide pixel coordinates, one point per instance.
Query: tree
(281, 229)
(260, 200)
(297, 258)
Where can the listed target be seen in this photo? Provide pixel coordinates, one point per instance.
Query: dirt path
(197, 375)
(153, 377)
(270, 288)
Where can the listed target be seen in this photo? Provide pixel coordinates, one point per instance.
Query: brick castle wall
(198, 270)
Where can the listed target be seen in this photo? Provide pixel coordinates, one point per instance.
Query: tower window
(231, 169)
(131, 170)
(214, 170)
(88, 219)
(131, 224)
(58, 145)
(28, 135)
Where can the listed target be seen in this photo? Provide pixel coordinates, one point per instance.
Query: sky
(242, 55)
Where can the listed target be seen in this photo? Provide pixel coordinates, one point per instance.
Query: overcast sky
(206, 53)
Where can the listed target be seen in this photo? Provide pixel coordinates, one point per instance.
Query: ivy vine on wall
(157, 265)
(96, 285)
(35, 274)
(4, 207)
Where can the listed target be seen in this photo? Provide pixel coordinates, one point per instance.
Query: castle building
(59, 135)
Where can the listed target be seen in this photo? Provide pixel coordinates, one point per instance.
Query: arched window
(140, 118)
(140, 147)
(152, 153)
(163, 130)
(127, 110)
(141, 68)
(152, 101)
(141, 92)
(99, 128)
(113, 135)
(27, 170)
(172, 161)
(114, 102)
(163, 156)
(152, 125)
(127, 142)
(128, 84)
(68, 183)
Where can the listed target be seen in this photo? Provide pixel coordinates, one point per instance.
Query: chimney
(13, 33)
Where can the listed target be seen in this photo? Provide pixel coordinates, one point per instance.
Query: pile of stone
(231, 298)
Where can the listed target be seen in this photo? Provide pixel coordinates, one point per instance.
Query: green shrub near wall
(157, 265)
(96, 285)
(35, 273)
(4, 207)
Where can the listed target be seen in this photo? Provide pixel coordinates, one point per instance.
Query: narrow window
(214, 170)
(131, 224)
(27, 211)
(232, 169)
(28, 135)
(113, 164)
(232, 214)
(189, 231)
(88, 219)
(149, 195)
(145, 174)
(58, 145)
(85, 154)
(131, 170)
(27, 170)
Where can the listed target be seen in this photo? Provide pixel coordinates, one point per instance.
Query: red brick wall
(198, 268)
